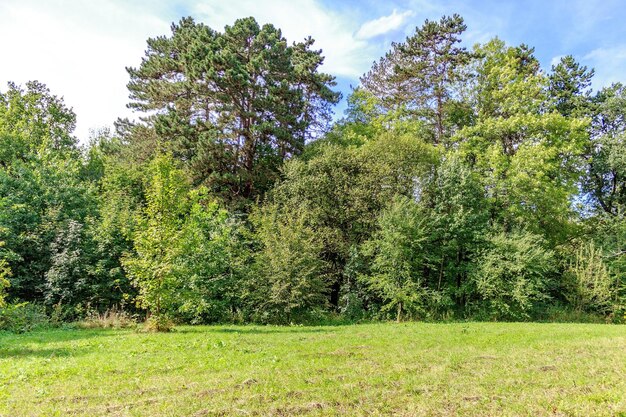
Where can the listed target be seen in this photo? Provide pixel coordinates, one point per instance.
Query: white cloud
(609, 64)
(79, 50)
(556, 60)
(333, 31)
(384, 24)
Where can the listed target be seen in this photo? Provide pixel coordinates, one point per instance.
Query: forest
(460, 183)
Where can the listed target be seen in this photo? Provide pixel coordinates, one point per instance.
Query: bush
(397, 252)
(559, 313)
(511, 276)
(290, 284)
(589, 285)
(158, 323)
(110, 319)
(23, 317)
(4, 282)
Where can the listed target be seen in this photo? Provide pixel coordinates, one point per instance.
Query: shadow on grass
(256, 330)
(35, 344)
(25, 352)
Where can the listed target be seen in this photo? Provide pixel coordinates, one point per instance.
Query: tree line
(460, 183)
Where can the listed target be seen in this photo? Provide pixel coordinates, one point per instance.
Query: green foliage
(606, 177)
(152, 267)
(590, 286)
(32, 120)
(66, 280)
(459, 184)
(5, 272)
(234, 104)
(511, 275)
(289, 281)
(342, 190)
(569, 84)
(530, 161)
(212, 262)
(186, 251)
(397, 249)
(457, 214)
(23, 317)
(41, 189)
(418, 77)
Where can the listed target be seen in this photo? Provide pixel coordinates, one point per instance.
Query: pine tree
(232, 105)
(569, 82)
(420, 74)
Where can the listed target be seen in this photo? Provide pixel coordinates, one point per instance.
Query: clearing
(408, 369)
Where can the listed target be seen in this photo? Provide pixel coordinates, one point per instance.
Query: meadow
(406, 369)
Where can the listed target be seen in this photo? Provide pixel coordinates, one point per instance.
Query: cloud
(333, 30)
(383, 24)
(556, 60)
(79, 50)
(609, 64)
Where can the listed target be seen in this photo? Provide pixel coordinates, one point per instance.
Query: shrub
(110, 319)
(290, 282)
(158, 323)
(152, 266)
(23, 317)
(4, 282)
(589, 285)
(397, 251)
(511, 275)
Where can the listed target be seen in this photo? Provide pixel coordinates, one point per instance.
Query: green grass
(413, 369)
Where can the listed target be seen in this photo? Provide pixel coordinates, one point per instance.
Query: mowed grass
(412, 369)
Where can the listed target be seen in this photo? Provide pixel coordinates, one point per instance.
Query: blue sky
(80, 48)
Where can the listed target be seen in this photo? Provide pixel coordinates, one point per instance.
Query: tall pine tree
(232, 105)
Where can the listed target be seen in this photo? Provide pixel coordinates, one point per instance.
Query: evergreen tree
(232, 105)
(421, 73)
(569, 83)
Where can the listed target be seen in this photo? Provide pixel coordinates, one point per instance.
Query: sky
(80, 48)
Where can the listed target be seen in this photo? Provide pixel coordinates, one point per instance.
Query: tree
(605, 182)
(508, 81)
(291, 282)
(421, 73)
(511, 275)
(152, 266)
(33, 118)
(41, 184)
(398, 258)
(67, 278)
(120, 175)
(530, 161)
(212, 261)
(457, 221)
(590, 286)
(232, 105)
(568, 88)
(343, 189)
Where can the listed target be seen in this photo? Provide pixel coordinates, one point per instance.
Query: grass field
(413, 369)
